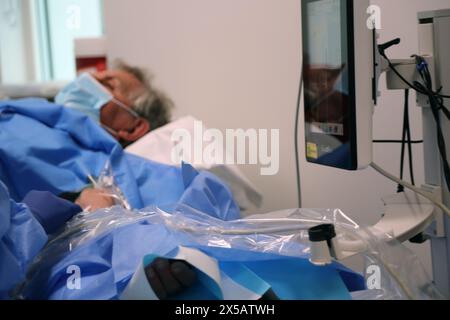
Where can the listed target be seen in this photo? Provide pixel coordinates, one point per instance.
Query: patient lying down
(121, 99)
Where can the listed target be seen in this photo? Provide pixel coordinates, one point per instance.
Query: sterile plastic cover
(401, 276)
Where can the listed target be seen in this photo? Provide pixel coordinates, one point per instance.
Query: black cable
(446, 112)
(412, 86)
(436, 103)
(408, 134)
(393, 68)
(427, 75)
(406, 142)
(297, 154)
(400, 187)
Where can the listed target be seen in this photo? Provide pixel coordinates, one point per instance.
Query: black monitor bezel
(352, 119)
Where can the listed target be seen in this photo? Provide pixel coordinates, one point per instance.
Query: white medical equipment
(336, 41)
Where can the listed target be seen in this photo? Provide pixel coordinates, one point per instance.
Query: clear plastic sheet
(392, 271)
(401, 274)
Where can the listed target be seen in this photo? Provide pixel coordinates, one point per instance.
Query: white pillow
(158, 145)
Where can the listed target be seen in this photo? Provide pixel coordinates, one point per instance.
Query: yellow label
(312, 150)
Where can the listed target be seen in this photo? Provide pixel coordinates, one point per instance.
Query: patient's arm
(94, 199)
(169, 277)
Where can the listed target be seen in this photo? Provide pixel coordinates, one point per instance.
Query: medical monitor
(338, 73)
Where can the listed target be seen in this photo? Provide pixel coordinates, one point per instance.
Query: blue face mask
(86, 95)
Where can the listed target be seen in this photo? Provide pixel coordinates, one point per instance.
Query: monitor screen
(329, 83)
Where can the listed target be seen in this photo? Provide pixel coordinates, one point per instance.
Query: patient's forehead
(128, 81)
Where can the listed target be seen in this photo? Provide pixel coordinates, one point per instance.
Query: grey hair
(149, 103)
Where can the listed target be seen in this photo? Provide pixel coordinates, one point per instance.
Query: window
(37, 37)
(67, 20)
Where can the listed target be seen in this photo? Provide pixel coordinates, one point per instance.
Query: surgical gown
(47, 147)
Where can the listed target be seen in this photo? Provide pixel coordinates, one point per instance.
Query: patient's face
(124, 87)
(121, 84)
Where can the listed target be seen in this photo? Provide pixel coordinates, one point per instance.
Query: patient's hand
(94, 199)
(169, 277)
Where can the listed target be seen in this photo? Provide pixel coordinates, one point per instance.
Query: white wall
(236, 64)
(233, 64)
